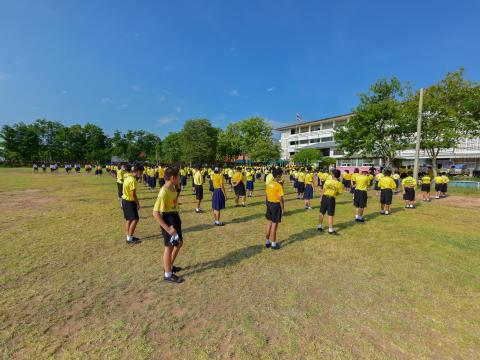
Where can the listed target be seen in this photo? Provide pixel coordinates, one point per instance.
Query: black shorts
(301, 187)
(120, 190)
(360, 198)
(409, 194)
(386, 196)
(172, 219)
(161, 182)
(327, 205)
(274, 212)
(426, 188)
(130, 210)
(199, 192)
(239, 189)
(438, 187)
(444, 188)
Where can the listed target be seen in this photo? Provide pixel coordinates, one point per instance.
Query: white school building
(319, 134)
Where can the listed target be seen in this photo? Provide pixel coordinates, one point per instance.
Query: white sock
(168, 274)
(129, 238)
(331, 229)
(267, 241)
(357, 216)
(319, 226)
(274, 243)
(386, 212)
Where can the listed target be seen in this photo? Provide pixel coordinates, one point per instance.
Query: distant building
(319, 134)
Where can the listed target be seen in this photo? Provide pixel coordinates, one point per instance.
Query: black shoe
(268, 244)
(360, 220)
(275, 247)
(133, 241)
(332, 232)
(243, 205)
(319, 229)
(219, 224)
(173, 279)
(176, 269)
(237, 205)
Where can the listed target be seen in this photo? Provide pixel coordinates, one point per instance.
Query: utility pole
(419, 135)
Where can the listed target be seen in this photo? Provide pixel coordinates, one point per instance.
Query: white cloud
(166, 120)
(270, 89)
(235, 92)
(137, 88)
(106, 100)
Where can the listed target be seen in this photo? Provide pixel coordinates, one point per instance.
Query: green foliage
(379, 127)
(265, 150)
(172, 148)
(198, 142)
(307, 157)
(451, 112)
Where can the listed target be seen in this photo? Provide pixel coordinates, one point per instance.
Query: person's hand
(138, 206)
(171, 230)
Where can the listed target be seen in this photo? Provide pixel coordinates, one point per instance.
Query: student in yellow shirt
(309, 189)
(331, 188)
(356, 171)
(198, 180)
(445, 181)
(230, 175)
(396, 178)
(386, 185)
(378, 176)
(219, 195)
(130, 203)
(238, 186)
(360, 196)
(120, 175)
(426, 185)
(165, 213)
(250, 176)
(161, 176)
(300, 184)
(438, 185)
(275, 208)
(408, 185)
(347, 179)
(183, 177)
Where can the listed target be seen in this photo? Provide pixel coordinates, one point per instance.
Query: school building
(319, 134)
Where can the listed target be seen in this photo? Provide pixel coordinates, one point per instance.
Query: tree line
(385, 121)
(198, 142)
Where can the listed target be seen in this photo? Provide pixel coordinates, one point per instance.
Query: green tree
(20, 142)
(229, 145)
(380, 126)
(265, 150)
(451, 113)
(172, 148)
(198, 141)
(307, 157)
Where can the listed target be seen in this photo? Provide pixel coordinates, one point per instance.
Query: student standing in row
(198, 181)
(426, 186)
(250, 176)
(120, 175)
(331, 188)
(408, 186)
(165, 212)
(360, 195)
(219, 196)
(445, 181)
(238, 186)
(309, 189)
(300, 184)
(130, 203)
(387, 186)
(275, 208)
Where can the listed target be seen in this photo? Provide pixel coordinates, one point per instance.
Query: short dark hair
(336, 173)
(388, 172)
(128, 167)
(170, 172)
(403, 176)
(138, 167)
(277, 172)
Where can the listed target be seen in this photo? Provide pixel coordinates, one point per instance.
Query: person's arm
(403, 188)
(282, 204)
(158, 218)
(135, 198)
(224, 192)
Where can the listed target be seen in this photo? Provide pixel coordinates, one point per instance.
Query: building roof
(338, 117)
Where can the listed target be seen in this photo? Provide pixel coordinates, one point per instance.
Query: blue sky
(153, 64)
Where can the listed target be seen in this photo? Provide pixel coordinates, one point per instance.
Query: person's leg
(198, 204)
(167, 260)
(127, 227)
(320, 221)
(268, 230)
(243, 200)
(330, 223)
(131, 228)
(273, 235)
(236, 199)
(175, 251)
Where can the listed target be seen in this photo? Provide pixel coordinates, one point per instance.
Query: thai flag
(298, 117)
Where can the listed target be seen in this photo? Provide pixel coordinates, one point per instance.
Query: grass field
(405, 286)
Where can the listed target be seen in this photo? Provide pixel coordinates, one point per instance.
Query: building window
(339, 124)
(338, 152)
(327, 139)
(313, 141)
(302, 142)
(292, 153)
(327, 126)
(293, 142)
(293, 131)
(316, 127)
(304, 129)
